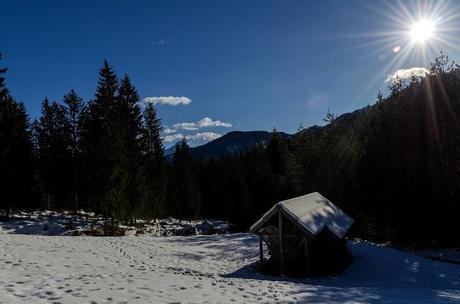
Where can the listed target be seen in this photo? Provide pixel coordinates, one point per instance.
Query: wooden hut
(304, 235)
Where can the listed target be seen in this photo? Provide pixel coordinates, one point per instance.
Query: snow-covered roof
(313, 212)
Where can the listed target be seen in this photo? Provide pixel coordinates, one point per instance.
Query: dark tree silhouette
(75, 108)
(15, 152)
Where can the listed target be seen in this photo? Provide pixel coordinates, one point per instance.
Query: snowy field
(203, 269)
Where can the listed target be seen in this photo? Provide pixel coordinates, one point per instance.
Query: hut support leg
(307, 255)
(261, 250)
(280, 228)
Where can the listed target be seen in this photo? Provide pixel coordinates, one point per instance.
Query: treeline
(393, 166)
(105, 155)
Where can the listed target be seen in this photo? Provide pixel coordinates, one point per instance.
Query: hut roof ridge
(313, 212)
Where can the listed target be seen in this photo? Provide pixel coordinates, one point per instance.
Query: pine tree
(74, 113)
(112, 148)
(184, 192)
(329, 117)
(3, 90)
(44, 132)
(152, 143)
(128, 127)
(15, 152)
(442, 65)
(99, 146)
(277, 153)
(155, 167)
(54, 155)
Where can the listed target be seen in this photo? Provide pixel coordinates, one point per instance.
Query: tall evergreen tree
(184, 193)
(112, 149)
(277, 153)
(54, 155)
(128, 127)
(154, 163)
(15, 152)
(98, 143)
(152, 142)
(3, 90)
(74, 112)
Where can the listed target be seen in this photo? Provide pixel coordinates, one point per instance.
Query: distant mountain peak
(228, 144)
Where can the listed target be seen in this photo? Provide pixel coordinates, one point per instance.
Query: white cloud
(168, 100)
(169, 131)
(173, 138)
(407, 73)
(190, 126)
(205, 122)
(208, 122)
(207, 136)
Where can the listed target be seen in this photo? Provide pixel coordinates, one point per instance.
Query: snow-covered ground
(204, 269)
(446, 255)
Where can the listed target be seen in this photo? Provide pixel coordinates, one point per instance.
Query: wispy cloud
(190, 126)
(168, 100)
(408, 73)
(205, 122)
(169, 131)
(173, 138)
(160, 42)
(208, 122)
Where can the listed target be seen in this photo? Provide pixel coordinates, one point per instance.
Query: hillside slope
(229, 144)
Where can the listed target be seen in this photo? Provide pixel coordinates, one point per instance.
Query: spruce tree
(112, 148)
(277, 153)
(3, 90)
(154, 165)
(44, 132)
(74, 112)
(184, 192)
(15, 152)
(98, 143)
(54, 155)
(128, 127)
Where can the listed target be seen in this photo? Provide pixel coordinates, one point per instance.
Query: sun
(422, 30)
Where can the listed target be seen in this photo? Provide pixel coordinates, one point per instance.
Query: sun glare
(422, 30)
(410, 33)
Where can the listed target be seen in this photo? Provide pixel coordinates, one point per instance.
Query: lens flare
(408, 34)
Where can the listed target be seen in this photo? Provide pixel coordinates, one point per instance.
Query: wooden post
(307, 255)
(280, 228)
(261, 250)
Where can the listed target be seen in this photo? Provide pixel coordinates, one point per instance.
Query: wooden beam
(280, 231)
(307, 255)
(261, 250)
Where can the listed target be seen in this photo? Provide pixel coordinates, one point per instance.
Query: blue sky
(253, 65)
